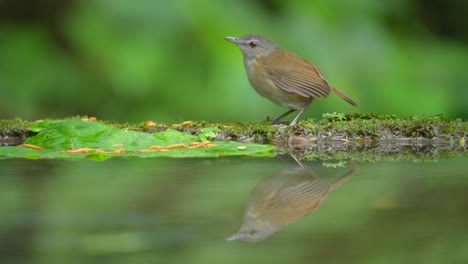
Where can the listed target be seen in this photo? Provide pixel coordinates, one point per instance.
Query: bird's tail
(342, 95)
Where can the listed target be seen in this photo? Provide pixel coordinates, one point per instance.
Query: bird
(283, 77)
(281, 199)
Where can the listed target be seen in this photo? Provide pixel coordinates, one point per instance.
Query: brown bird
(282, 199)
(282, 76)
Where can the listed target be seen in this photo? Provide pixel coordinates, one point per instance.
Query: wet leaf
(92, 140)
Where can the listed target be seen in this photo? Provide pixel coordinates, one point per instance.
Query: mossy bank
(336, 136)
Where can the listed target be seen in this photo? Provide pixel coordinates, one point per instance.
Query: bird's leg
(276, 119)
(300, 113)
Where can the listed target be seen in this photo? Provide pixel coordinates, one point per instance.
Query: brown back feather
(299, 76)
(295, 75)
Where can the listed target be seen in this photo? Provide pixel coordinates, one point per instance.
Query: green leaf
(99, 142)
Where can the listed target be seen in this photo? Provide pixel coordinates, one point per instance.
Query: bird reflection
(282, 199)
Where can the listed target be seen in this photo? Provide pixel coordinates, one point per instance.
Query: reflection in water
(282, 199)
(174, 211)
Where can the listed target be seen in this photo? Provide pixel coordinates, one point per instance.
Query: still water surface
(233, 210)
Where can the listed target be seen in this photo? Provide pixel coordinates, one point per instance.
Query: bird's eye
(253, 232)
(253, 44)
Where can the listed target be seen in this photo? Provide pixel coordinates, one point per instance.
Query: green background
(168, 61)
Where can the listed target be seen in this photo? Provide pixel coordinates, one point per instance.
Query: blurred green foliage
(167, 60)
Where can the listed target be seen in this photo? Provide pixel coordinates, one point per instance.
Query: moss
(336, 136)
(14, 132)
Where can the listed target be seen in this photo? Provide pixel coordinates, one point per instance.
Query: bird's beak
(232, 40)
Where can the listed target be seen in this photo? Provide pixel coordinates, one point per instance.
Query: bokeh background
(168, 61)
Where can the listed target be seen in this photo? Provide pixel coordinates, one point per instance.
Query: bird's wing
(293, 202)
(303, 195)
(300, 77)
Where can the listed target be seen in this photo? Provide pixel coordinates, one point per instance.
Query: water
(182, 211)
